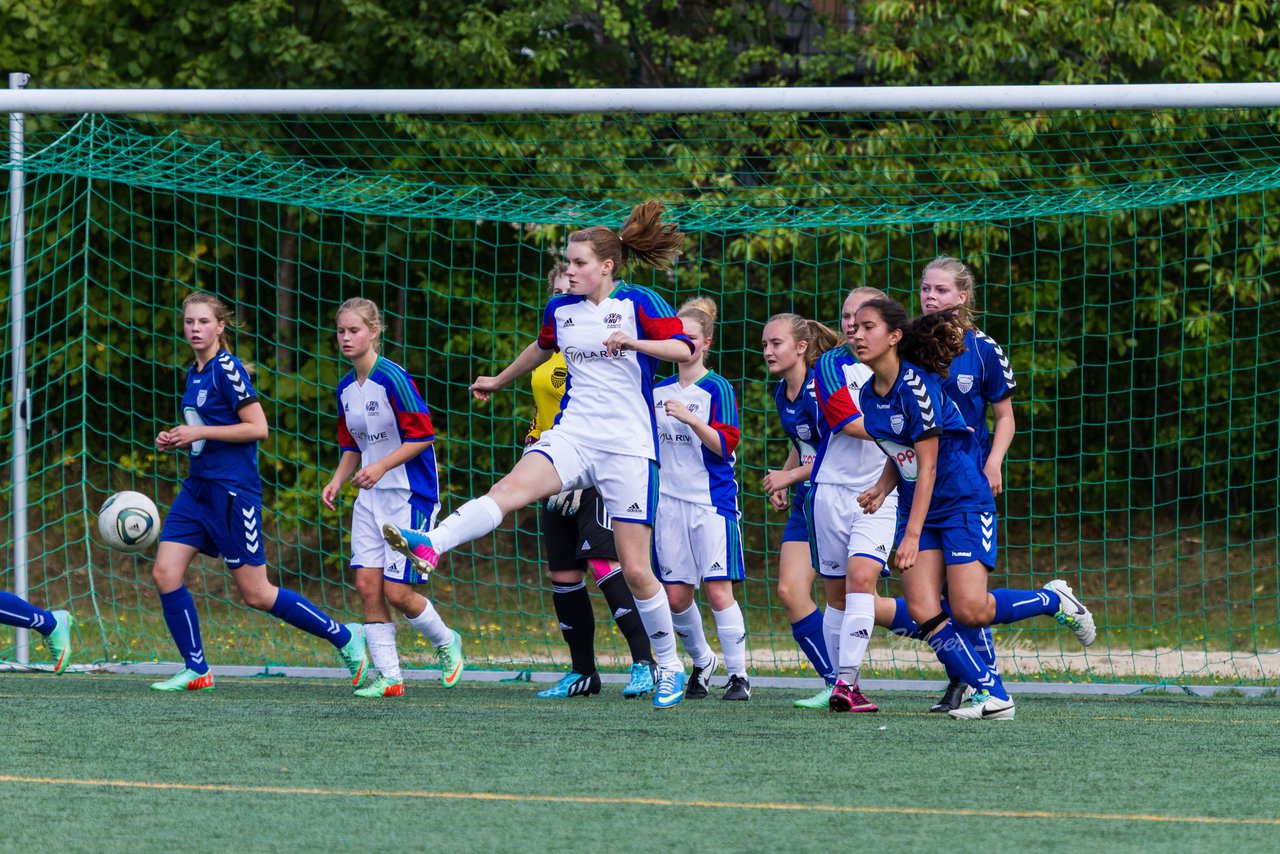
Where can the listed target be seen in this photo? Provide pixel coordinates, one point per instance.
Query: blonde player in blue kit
(386, 438)
(219, 510)
(978, 378)
(696, 536)
(612, 335)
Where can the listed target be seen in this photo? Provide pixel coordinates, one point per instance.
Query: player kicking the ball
(612, 335)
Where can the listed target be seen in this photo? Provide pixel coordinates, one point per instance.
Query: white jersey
(691, 471)
(606, 403)
(842, 459)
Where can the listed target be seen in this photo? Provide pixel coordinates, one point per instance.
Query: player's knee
(680, 596)
(260, 597)
(720, 595)
(971, 612)
(368, 586)
(401, 596)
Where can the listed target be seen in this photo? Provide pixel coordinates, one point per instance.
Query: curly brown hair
(933, 341)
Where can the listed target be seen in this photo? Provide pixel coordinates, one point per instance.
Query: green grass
(1093, 773)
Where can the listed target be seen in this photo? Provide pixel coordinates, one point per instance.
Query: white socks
(469, 522)
(832, 620)
(655, 613)
(431, 626)
(381, 640)
(688, 626)
(733, 639)
(855, 633)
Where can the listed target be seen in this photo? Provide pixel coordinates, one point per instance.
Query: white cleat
(984, 707)
(1072, 613)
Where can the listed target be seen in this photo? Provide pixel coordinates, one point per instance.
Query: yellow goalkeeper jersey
(548, 381)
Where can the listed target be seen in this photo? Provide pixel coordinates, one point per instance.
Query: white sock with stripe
(855, 633)
(381, 640)
(732, 630)
(655, 613)
(471, 521)
(688, 625)
(832, 620)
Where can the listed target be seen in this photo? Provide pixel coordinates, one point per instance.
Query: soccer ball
(129, 522)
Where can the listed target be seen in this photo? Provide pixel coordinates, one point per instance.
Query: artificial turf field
(97, 762)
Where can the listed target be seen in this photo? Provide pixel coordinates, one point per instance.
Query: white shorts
(693, 543)
(628, 485)
(840, 530)
(374, 508)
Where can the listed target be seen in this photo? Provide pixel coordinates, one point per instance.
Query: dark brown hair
(932, 341)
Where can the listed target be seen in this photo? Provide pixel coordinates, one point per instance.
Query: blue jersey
(979, 376)
(914, 409)
(214, 398)
(802, 423)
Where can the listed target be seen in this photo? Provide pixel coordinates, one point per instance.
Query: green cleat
(186, 680)
(451, 661)
(381, 687)
(818, 700)
(59, 640)
(356, 656)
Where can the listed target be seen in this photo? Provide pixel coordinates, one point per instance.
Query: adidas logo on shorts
(586, 545)
(716, 567)
(880, 548)
(634, 508)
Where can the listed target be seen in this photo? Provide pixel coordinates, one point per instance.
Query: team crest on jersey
(802, 430)
(612, 320)
(371, 406)
(896, 423)
(964, 382)
(202, 397)
(558, 377)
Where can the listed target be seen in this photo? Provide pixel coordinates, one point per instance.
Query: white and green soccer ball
(129, 522)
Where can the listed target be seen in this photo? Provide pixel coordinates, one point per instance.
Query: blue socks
(16, 611)
(295, 610)
(1013, 606)
(808, 635)
(903, 625)
(184, 626)
(956, 654)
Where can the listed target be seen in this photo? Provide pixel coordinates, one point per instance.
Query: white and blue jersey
(219, 508)
(842, 459)
(691, 471)
(607, 404)
(804, 426)
(979, 376)
(378, 416)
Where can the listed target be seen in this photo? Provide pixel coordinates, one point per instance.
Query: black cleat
(951, 698)
(739, 688)
(700, 680)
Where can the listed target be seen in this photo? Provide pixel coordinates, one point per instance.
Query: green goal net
(1127, 261)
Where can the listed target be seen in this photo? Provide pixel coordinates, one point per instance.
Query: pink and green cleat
(415, 545)
(59, 640)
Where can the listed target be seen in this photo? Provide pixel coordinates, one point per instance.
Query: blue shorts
(797, 530)
(217, 521)
(962, 538)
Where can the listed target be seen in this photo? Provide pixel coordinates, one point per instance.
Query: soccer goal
(1125, 240)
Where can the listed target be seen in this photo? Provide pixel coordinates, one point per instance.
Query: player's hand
(566, 503)
(778, 500)
(677, 410)
(331, 490)
(871, 500)
(995, 478)
(908, 549)
(776, 480)
(164, 440)
(619, 341)
(184, 435)
(368, 476)
(484, 387)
